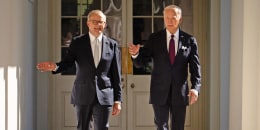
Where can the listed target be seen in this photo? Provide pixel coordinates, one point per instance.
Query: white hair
(169, 7)
(98, 12)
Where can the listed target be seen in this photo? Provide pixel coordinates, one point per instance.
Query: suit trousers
(177, 115)
(95, 112)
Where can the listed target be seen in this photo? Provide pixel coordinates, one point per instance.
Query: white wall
(234, 63)
(244, 64)
(17, 50)
(44, 103)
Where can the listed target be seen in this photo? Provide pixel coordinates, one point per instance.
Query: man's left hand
(116, 109)
(193, 97)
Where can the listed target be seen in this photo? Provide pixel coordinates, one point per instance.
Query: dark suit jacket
(165, 77)
(103, 81)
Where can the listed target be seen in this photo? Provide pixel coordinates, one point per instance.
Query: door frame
(49, 32)
(201, 27)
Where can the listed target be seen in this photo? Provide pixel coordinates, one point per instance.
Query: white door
(144, 18)
(126, 25)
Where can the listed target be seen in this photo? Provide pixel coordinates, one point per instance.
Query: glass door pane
(74, 17)
(142, 7)
(147, 18)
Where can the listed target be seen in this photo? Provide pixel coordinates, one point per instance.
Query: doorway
(125, 24)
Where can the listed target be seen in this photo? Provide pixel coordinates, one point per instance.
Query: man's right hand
(133, 49)
(46, 66)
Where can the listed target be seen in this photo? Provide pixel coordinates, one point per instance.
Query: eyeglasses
(96, 22)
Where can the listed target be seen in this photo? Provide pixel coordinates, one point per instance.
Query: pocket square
(184, 48)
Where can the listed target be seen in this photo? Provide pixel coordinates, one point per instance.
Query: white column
(244, 65)
(214, 123)
(44, 113)
(17, 48)
(258, 83)
(2, 99)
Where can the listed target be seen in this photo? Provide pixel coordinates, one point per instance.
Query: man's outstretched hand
(46, 66)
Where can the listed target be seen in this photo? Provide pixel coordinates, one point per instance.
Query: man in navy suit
(97, 87)
(173, 53)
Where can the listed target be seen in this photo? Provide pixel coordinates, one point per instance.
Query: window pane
(69, 7)
(113, 11)
(88, 5)
(114, 28)
(158, 24)
(69, 28)
(71, 70)
(159, 5)
(142, 28)
(112, 7)
(84, 26)
(142, 7)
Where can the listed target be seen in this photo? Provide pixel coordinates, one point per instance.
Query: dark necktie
(172, 49)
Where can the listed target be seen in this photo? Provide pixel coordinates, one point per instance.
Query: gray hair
(169, 7)
(98, 12)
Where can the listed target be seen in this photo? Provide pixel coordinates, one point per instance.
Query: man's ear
(180, 20)
(87, 23)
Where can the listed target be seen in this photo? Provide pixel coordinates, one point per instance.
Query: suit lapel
(164, 41)
(104, 49)
(181, 40)
(89, 50)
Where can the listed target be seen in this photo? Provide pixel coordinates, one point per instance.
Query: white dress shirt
(93, 42)
(176, 39)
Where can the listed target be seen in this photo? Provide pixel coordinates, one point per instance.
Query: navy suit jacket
(103, 81)
(166, 78)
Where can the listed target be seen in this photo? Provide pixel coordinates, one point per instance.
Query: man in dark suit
(173, 53)
(97, 87)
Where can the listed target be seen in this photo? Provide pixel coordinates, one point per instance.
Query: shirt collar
(176, 34)
(92, 37)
